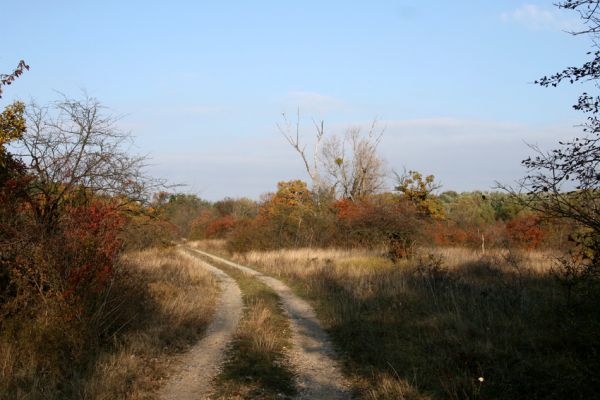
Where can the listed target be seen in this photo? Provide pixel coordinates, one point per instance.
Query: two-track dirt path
(312, 355)
(196, 369)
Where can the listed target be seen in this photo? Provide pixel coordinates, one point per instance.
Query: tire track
(198, 367)
(312, 355)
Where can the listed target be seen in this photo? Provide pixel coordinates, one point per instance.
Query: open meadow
(450, 323)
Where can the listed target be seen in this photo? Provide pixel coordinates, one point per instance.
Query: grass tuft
(257, 366)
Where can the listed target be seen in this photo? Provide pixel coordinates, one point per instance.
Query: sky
(202, 85)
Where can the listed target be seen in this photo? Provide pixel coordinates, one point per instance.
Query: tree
(73, 149)
(352, 168)
(289, 214)
(238, 208)
(181, 209)
(565, 182)
(419, 190)
(8, 79)
(291, 132)
(472, 214)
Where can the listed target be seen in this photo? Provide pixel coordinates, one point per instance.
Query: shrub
(525, 231)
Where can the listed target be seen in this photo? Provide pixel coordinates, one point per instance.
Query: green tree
(472, 210)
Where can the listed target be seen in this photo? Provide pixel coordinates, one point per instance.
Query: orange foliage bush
(92, 244)
(200, 223)
(525, 231)
(220, 227)
(379, 220)
(347, 210)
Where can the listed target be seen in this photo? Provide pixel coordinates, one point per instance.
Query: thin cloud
(463, 153)
(536, 18)
(468, 154)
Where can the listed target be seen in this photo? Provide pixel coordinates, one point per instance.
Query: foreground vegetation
(449, 323)
(157, 313)
(256, 365)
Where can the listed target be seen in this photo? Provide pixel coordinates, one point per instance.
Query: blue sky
(202, 85)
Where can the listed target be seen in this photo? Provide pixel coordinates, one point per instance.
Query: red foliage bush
(200, 223)
(220, 227)
(377, 221)
(525, 231)
(92, 243)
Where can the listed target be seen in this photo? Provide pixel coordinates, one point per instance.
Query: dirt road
(312, 355)
(197, 368)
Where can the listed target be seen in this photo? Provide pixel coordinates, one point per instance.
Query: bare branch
(74, 148)
(8, 79)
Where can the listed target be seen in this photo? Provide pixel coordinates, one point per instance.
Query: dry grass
(256, 328)
(179, 302)
(257, 366)
(215, 246)
(161, 303)
(533, 260)
(433, 326)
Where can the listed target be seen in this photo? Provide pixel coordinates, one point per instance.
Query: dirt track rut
(197, 368)
(312, 355)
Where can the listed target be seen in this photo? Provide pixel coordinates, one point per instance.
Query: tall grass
(449, 324)
(160, 304)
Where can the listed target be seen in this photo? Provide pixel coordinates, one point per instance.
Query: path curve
(312, 355)
(198, 367)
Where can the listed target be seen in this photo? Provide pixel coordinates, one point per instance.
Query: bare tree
(73, 148)
(565, 182)
(291, 132)
(352, 168)
(352, 163)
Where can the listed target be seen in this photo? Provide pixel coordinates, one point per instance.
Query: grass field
(449, 323)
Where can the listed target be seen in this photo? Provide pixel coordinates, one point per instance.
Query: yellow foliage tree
(12, 127)
(419, 189)
(288, 209)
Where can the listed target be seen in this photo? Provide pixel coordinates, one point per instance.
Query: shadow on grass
(479, 331)
(112, 356)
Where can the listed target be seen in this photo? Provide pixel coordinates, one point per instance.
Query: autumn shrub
(220, 227)
(525, 231)
(288, 214)
(379, 221)
(54, 297)
(249, 235)
(61, 235)
(90, 249)
(144, 232)
(199, 224)
(291, 217)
